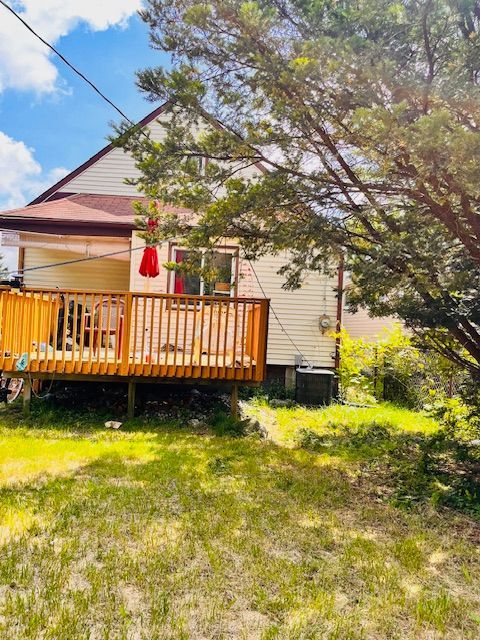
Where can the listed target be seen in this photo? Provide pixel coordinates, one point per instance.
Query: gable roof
(56, 190)
(47, 195)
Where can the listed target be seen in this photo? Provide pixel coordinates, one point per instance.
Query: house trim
(43, 225)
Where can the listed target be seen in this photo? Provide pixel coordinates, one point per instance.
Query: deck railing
(133, 334)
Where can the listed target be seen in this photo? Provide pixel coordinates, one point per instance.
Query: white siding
(299, 312)
(361, 325)
(104, 274)
(107, 176)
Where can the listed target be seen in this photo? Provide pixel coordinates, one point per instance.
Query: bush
(306, 438)
(459, 420)
(370, 433)
(443, 471)
(408, 469)
(394, 368)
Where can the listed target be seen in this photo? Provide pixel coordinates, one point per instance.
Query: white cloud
(21, 180)
(21, 176)
(25, 63)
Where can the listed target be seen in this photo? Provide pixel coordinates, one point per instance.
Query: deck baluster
(195, 339)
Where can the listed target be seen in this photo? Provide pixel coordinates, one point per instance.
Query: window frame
(228, 249)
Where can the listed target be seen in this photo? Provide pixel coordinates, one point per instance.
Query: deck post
(131, 399)
(27, 396)
(234, 400)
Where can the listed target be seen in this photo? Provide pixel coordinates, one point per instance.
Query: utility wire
(65, 61)
(278, 319)
(74, 261)
(118, 110)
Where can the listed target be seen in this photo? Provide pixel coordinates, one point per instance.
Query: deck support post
(27, 396)
(234, 400)
(132, 387)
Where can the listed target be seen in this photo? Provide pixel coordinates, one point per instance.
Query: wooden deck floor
(109, 356)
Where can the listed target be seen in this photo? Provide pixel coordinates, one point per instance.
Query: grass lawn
(157, 531)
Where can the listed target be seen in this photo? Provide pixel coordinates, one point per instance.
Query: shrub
(409, 469)
(306, 438)
(394, 368)
(368, 433)
(459, 420)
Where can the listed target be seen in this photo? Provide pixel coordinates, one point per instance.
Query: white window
(224, 263)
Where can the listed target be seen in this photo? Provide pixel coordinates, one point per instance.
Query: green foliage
(371, 435)
(276, 389)
(365, 115)
(224, 424)
(309, 439)
(458, 419)
(393, 368)
(409, 469)
(357, 367)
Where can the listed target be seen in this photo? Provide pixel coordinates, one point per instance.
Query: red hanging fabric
(179, 282)
(151, 224)
(149, 267)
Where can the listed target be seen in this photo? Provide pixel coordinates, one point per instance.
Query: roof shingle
(84, 207)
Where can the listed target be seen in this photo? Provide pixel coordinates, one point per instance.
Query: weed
(219, 466)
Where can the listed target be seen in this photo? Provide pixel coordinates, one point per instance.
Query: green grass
(156, 532)
(288, 420)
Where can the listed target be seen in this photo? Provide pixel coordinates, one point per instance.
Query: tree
(366, 118)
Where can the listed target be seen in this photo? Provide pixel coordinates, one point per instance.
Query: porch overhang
(83, 245)
(66, 227)
(80, 214)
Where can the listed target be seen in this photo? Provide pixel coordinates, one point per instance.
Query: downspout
(341, 266)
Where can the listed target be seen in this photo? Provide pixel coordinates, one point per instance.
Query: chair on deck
(108, 320)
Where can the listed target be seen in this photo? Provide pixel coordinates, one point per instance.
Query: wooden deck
(132, 335)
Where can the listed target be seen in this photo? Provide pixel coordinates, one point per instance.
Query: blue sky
(67, 127)
(50, 120)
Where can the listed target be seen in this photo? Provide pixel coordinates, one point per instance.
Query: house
(78, 244)
(362, 325)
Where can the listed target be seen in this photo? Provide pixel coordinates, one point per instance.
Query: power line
(277, 318)
(66, 62)
(118, 110)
